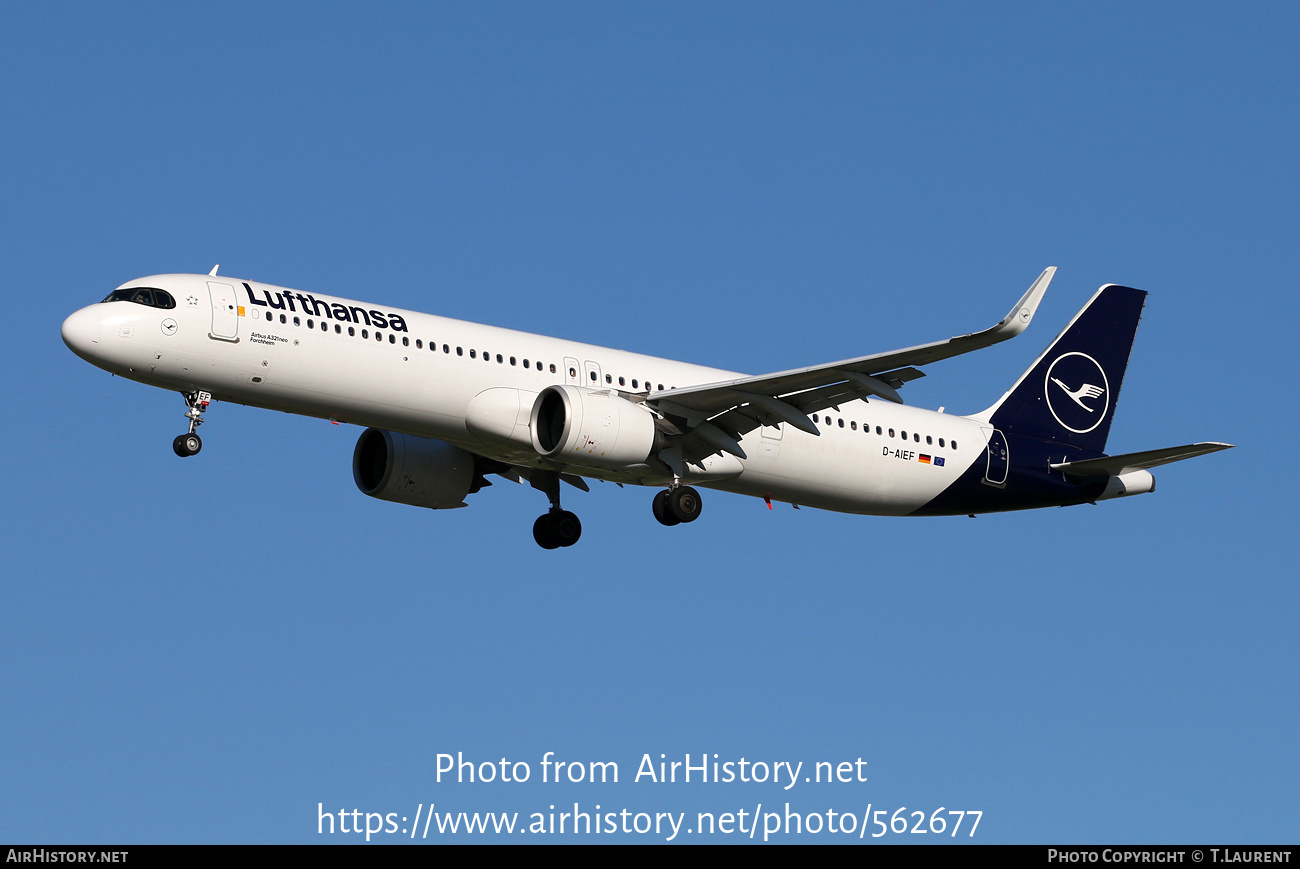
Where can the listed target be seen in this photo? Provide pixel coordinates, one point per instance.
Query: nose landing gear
(187, 445)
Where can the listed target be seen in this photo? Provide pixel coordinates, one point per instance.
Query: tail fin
(1069, 394)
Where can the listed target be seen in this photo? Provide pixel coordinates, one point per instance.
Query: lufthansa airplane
(447, 403)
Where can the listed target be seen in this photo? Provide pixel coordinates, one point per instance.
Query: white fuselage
(420, 374)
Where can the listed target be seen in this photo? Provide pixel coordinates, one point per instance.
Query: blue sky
(204, 651)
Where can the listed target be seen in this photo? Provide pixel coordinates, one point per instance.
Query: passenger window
(471, 353)
(352, 331)
(297, 322)
(338, 330)
(891, 432)
(928, 440)
(406, 342)
(904, 434)
(620, 382)
(609, 379)
(512, 360)
(841, 422)
(940, 441)
(593, 377)
(815, 419)
(878, 430)
(310, 324)
(634, 383)
(419, 345)
(499, 359)
(854, 425)
(379, 336)
(954, 445)
(916, 436)
(552, 367)
(365, 333)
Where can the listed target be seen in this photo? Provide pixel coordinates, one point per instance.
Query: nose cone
(81, 332)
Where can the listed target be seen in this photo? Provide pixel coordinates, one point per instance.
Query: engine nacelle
(592, 428)
(422, 472)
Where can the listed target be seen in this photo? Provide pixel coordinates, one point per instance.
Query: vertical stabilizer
(1069, 394)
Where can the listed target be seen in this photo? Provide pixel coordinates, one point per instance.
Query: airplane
(447, 403)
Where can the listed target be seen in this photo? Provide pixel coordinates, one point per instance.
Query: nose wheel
(189, 444)
(677, 505)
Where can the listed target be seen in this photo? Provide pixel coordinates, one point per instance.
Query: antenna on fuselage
(214, 269)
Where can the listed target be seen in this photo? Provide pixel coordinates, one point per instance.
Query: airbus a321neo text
(448, 403)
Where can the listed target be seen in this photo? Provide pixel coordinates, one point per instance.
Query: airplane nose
(81, 331)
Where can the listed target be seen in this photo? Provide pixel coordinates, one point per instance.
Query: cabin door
(999, 458)
(225, 312)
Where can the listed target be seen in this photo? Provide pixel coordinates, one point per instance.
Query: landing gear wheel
(557, 528)
(567, 527)
(544, 532)
(187, 445)
(684, 504)
(660, 508)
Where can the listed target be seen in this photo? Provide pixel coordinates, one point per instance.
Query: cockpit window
(150, 296)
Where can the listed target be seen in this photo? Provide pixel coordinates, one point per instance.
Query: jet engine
(592, 428)
(412, 470)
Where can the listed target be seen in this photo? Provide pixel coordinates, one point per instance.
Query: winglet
(1017, 320)
(214, 269)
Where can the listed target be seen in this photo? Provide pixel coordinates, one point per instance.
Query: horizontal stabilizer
(1116, 465)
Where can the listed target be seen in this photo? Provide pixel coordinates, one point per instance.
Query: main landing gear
(187, 445)
(558, 527)
(676, 505)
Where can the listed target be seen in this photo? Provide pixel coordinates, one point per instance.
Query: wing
(713, 417)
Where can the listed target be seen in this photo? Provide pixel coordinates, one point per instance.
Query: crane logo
(1077, 392)
(1088, 390)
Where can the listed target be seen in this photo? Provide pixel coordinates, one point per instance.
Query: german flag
(924, 459)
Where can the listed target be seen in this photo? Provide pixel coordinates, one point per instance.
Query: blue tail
(1068, 395)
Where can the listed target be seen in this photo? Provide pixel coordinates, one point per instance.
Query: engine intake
(592, 428)
(422, 472)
